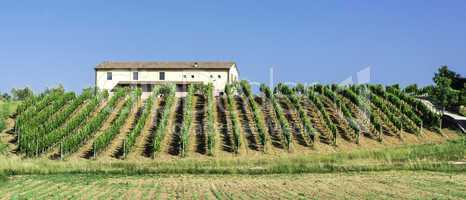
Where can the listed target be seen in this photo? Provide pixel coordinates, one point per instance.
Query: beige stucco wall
(219, 78)
(234, 74)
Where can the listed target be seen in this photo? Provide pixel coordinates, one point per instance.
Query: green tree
(5, 97)
(394, 86)
(299, 88)
(427, 90)
(443, 71)
(443, 93)
(412, 89)
(449, 93)
(21, 93)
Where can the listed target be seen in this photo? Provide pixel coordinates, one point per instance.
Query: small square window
(109, 76)
(184, 76)
(219, 76)
(192, 76)
(211, 76)
(161, 76)
(135, 76)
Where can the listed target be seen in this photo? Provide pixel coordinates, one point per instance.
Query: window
(161, 76)
(135, 76)
(109, 76)
(219, 76)
(211, 76)
(192, 76)
(184, 76)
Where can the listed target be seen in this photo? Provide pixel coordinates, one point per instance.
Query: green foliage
(3, 148)
(56, 117)
(35, 115)
(285, 126)
(427, 90)
(27, 103)
(329, 123)
(444, 95)
(102, 141)
(5, 97)
(74, 141)
(395, 109)
(364, 97)
(141, 122)
(49, 140)
(2, 124)
(21, 93)
(211, 131)
(381, 104)
(41, 116)
(49, 119)
(395, 87)
(462, 111)
(455, 78)
(32, 110)
(300, 88)
(449, 91)
(309, 130)
(230, 90)
(411, 89)
(266, 91)
(168, 92)
(257, 114)
(429, 118)
(347, 113)
(283, 89)
(3, 115)
(187, 120)
(60, 117)
(353, 93)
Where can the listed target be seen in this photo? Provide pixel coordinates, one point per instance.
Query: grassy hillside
(324, 142)
(444, 157)
(320, 118)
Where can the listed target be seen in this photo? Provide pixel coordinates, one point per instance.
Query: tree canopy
(21, 93)
(449, 89)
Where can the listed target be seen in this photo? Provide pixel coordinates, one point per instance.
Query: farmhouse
(109, 75)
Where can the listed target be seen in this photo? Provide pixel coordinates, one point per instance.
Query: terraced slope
(272, 123)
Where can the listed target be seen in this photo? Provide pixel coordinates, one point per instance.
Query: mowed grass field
(367, 185)
(427, 171)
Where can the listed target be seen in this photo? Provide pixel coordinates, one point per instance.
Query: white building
(108, 75)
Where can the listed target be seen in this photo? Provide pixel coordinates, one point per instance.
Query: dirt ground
(373, 185)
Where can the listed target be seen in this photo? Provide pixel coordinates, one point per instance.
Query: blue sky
(43, 43)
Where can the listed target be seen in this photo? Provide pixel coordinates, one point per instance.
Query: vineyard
(124, 125)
